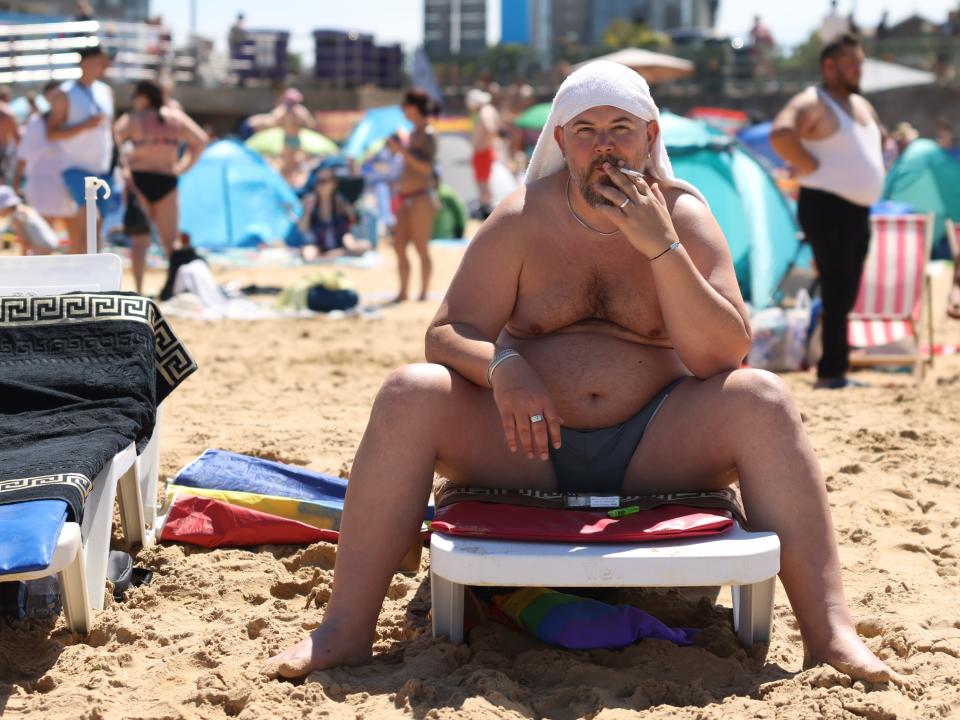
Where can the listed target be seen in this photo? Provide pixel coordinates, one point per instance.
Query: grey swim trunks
(596, 460)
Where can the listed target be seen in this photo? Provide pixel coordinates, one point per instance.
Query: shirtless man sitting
(588, 298)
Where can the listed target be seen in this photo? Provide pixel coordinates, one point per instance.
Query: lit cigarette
(631, 173)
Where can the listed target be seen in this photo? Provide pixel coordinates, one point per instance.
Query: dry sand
(299, 391)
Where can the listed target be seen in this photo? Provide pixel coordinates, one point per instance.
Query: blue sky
(402, 20)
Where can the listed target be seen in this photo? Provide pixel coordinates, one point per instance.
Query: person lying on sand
(606, 301)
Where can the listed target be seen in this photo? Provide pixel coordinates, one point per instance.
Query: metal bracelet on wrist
(499, 357)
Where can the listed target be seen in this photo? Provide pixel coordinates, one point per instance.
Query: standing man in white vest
(81, 120)
(832, 138)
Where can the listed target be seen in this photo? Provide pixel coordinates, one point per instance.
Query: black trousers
(839, 234)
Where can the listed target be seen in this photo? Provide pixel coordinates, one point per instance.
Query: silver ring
(626, 201)
(536, 418)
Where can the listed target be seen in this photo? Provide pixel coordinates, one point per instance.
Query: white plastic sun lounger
(748, 562)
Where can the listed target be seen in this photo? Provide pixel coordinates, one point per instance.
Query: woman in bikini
(415, 199)
(152, 133)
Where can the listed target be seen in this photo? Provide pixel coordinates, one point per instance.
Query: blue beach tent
(376, 124)
(232, 198)
(756, 219)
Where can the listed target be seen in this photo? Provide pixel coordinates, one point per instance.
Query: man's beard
(853, 88)
(594, 198)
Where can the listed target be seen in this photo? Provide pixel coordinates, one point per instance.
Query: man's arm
(789, 126)
(700, 300)
(57, 120)
(481, 296)
(306, 117)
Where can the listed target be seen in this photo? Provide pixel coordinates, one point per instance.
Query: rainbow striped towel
(579, 623)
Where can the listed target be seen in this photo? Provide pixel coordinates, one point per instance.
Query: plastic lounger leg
(73, 595)
(753, 611)
(447, 608)
(131, 508)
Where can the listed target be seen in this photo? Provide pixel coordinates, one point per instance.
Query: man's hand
(639, 210)
(521, 396)
(93, 121)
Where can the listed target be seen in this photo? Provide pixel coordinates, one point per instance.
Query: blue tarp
(757, 139)
(233, 198)
(29, 533)
(376, 124)
(755, 217)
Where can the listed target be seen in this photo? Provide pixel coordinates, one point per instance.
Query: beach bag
(780, 336)
(320, 298)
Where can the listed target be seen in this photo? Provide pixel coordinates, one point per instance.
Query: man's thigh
(686, 447)
(471, 446)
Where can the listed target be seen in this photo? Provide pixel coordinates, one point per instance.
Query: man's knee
(760, 396)
(414, 387)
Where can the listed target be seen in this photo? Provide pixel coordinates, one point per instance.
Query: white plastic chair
(748, 562)
(80, 556)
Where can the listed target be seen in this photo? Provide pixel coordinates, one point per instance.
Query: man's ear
(558, 136)
(653, 132)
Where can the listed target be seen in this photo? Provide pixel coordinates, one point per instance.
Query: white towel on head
(596, 84)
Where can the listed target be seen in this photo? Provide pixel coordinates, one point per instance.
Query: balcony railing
(39, 52)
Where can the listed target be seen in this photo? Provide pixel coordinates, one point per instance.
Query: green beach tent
(756, 219)
(927, 178)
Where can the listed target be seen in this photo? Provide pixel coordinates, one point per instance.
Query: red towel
(211, 523)
(512, 522)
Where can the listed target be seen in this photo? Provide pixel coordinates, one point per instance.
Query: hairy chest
(609, 282)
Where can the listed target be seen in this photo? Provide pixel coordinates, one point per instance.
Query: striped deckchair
(894, 294)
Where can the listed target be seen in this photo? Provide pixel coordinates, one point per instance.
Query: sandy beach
(190, 644)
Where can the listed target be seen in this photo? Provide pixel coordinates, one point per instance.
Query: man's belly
(595, 379)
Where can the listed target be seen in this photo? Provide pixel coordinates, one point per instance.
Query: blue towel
(223, 470)
(29, 533)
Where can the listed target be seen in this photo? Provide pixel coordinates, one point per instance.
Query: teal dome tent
(756, 219)
(927, 178)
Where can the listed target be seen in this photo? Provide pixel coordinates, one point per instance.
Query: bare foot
(847, 653)
(422, 297)
(321, 649)
(402, 298)
(953, 300)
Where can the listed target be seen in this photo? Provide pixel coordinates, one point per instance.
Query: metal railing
(39, 52)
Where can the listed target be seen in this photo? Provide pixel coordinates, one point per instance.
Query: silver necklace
(576, 217)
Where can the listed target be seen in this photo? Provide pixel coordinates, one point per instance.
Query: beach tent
(376, 124)
(927, 178)
(755, 217)
(757, 139)
(233, 198)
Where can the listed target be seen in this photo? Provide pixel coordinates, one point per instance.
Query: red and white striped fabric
(892, 285)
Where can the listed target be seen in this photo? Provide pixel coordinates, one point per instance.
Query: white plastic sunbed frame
(80, 556)
(748, 562)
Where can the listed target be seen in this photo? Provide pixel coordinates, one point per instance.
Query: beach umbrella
(879, 76)
(655, 67)
(534, 118)
(231, 197)
(270, 142)
(376, 124)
